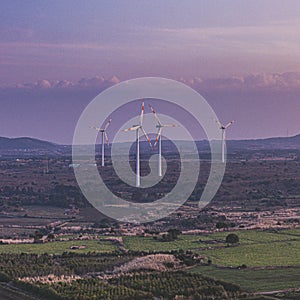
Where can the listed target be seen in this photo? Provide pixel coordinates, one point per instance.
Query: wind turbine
(103, 135)
(136, 128)
(160, 127)
(223, 128)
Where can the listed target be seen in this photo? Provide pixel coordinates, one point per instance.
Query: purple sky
(243, 56)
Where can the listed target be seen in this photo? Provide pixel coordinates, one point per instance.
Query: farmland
(262, 261)
(275, 254)
(80, 276)
(256, 248)
(59, 247)
(75, 250)
(255, 280)
(9, 293)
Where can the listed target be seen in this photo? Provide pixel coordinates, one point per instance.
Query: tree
(232, 238)
(221, 225)
(174, 232)
(50, 236)
(172, 235)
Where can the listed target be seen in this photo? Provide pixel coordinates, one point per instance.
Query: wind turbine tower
(46, 170)
(223, 128)
(136, 128)
(160, 127)
(103, 137)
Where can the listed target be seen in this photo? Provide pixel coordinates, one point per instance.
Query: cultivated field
(255, 280)
(256, 248)
(7, 293)
(60, 247)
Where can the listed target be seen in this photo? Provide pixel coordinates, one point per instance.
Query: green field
(261, 237)
(184, 242)
(59, 247)
(278, 251)
(256, 248)
(272, 254)
(262, 280)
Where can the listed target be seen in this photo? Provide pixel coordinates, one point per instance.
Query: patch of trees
(139, 285)
(60, 195)
(188, 258)
(66, 195)
(171, 235)
(225, 225)
(4, 277)
(232, 238)
(30, 265)
(170, 285)
(42, 290)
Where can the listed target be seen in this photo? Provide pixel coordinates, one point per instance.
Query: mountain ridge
(25, 143)
(33, 145)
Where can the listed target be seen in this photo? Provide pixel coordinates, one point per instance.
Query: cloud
(260, 81)
(251, 82)
(40, 84)
(281, 36)
(84, 83)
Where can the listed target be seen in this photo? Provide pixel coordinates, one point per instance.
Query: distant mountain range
(269, 143)
(26, 146)
(23, 143)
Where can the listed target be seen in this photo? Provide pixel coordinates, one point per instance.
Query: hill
(29, 146)
(26, 146)
(269, 143)
(23, 143)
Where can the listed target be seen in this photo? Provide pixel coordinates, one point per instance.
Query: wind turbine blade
(219, 123)
(147, 137)
(132, 128)
(97, 128)
(107, 124)
(106, 137)
(170, 125)
(155, 115)
(142, 112)
(230, 123)
(158, 136)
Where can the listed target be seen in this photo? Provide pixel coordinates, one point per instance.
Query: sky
(56, 56)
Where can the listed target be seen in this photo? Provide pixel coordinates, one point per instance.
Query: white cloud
(93, 82)
(260, 81)
(274, 81)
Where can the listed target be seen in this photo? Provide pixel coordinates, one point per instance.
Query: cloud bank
(250, 82)
(93, 82)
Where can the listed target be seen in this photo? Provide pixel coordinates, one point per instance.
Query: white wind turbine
(103, 135)
(159, 126)
(137, 128)
(223, 128)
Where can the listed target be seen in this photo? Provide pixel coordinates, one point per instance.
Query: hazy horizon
(179, 140)
(243, 57)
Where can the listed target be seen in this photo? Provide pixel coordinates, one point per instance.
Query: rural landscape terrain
(244, 245)
(149, 150)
